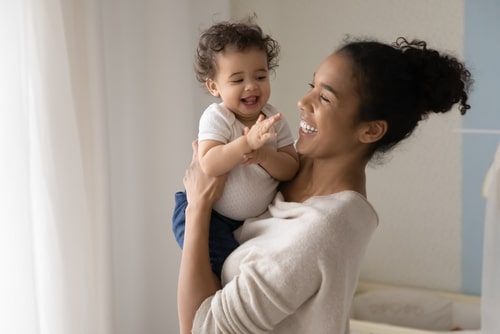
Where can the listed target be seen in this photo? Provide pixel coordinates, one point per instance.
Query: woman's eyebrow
(329, 88)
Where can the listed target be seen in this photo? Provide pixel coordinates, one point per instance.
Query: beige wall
(153, 104)
(417, 192)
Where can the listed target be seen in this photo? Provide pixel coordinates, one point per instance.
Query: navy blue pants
(221, 239)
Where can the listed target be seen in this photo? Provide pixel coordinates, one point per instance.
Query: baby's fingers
(267, 123)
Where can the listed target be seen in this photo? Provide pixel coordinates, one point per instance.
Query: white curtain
(98, 107)
(490, 294)
(54, 219)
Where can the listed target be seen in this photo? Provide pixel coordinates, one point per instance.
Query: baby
(234, 61)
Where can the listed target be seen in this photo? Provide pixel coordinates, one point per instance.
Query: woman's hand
(201, 188)
(196, 279)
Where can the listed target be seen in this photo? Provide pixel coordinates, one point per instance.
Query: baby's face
(242, 82)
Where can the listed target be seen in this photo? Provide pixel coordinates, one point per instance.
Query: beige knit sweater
(296, 269)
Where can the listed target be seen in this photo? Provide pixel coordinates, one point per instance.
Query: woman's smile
(307, 128)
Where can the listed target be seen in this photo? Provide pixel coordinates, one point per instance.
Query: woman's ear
(373, 131)
(212, 87)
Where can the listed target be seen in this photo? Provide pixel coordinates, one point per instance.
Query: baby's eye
(260, 78)
(310, 85)
(237, 81)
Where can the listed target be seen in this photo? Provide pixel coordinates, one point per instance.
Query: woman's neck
(324, 177)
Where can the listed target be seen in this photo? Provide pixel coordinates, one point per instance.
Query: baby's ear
(212, 87)
(372, 131)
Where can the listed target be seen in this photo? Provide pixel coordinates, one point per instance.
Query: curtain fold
(54, 170)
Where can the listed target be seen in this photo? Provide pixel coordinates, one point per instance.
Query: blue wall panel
(482, 55)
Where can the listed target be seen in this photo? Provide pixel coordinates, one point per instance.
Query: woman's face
(329, 123)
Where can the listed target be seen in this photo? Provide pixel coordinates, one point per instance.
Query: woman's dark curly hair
(239, 35)
(402, 83)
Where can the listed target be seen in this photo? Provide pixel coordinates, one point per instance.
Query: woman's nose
(302, 103)
(299, 104)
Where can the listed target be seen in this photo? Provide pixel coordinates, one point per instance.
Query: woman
(297, 265)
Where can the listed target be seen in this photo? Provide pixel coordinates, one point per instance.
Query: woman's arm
(196, 279)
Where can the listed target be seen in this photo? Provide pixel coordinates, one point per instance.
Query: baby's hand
(254, 157)
(261, 131)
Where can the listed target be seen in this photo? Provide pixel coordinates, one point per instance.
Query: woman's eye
(321, 96)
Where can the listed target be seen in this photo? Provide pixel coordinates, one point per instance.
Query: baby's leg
(221, 239)
(179, 217)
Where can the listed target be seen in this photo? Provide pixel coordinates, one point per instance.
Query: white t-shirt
(250, 189)
(296, 269)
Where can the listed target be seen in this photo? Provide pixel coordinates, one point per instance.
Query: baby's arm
(217, 158)
(282, 164)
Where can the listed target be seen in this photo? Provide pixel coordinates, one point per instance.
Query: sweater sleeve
(255, 301)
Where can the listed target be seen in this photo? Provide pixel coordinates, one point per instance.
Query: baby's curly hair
(240, 35)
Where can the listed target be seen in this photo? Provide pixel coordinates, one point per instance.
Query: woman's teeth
(307, 128)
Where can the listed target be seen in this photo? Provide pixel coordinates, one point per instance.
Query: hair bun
(441, 79)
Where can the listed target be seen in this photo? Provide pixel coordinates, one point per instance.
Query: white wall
(122, 37)
(153, 108)
(175, 102)
(417, 193)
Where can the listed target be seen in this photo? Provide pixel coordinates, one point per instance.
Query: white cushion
(466, 315)
(404, 307)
